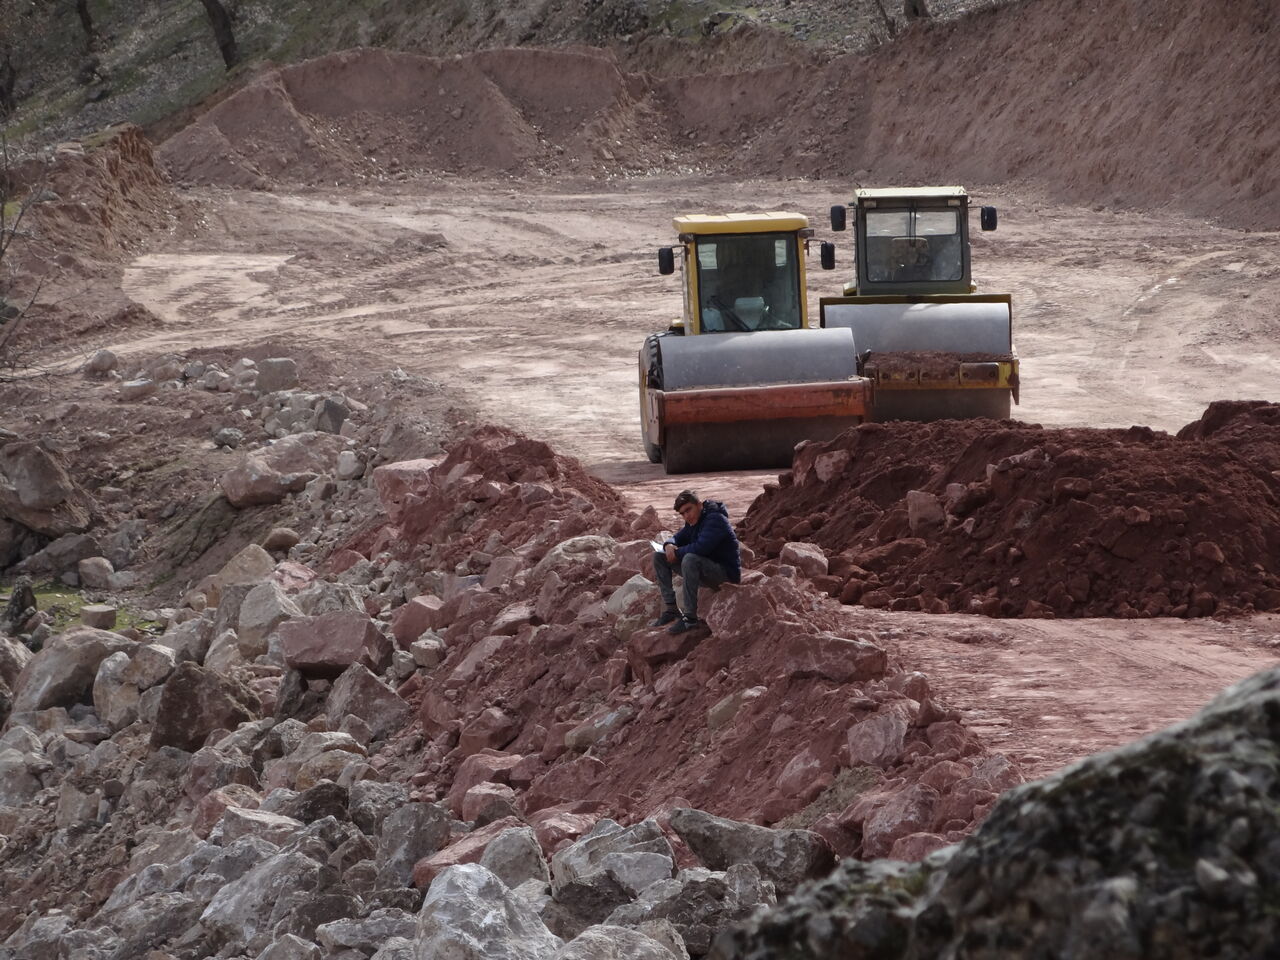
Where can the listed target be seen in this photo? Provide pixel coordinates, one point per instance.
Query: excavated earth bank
(1012, 520)
(1129, 109)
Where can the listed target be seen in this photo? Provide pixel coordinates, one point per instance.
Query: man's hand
(670, 550)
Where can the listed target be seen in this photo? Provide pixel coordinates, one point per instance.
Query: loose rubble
(458, 712)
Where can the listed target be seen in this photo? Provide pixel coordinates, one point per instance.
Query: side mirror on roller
(989, 218)
(666, 260)
(827, 254)
(838, 218)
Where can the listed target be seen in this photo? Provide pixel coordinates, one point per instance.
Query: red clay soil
(584, 710)
(1140, 95)
(1042, 523)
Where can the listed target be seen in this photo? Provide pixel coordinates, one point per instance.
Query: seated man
(911, 259)
(705, 551)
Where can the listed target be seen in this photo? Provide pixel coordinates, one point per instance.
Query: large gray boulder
(62, 673)
(605, 942)
(194, 702)
(361, 694)
(18, 783)
(606, 867)
(469, 914)
(1169, 847)
(37, 491)
(699, 903)
(115, 700)
(414, 831)
(366, 934)
(515, 856)
(244, 913)
(264, 608)
(787, 857)
(145, 925)
(189, 640)
(272, 473)
(372, 801)
(634, 856)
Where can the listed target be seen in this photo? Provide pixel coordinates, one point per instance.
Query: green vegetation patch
(848, 785)
(64, 604)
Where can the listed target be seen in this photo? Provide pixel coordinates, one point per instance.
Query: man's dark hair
(685, 496)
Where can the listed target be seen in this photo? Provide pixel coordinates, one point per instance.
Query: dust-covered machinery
(932, 346)
(744, 375)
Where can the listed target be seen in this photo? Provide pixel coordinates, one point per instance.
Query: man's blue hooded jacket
(712, 537)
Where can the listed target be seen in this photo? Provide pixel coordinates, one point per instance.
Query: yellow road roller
(745, 374)
(933, 347)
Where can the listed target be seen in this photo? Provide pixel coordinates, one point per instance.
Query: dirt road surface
(529, 299)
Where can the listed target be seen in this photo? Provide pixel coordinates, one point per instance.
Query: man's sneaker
(683, 624)
(666, 617)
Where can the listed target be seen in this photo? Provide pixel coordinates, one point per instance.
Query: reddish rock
(804, 774)
(526, 771)
(395, 482)
(475, 658)
(212, 805)
(467, 850)
(834, 658)
(325, 645)
(293, 577)
(916, 846)
(805, 557)
(742, 613)
(492, 729)
(500, 572)
(485, 797)
(997, 773)
(564, 781)
(960, 802)
(649, 649)
(411, 620)
(483, 767)
(944, 773)
(910, 811)
(949, 736)
(342, 560)
(437, 711)
(555, 827)
(509, 621)
(879, 740)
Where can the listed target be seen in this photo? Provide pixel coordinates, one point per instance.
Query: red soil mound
(1014, 520)
(1140, 107)
(556, 687)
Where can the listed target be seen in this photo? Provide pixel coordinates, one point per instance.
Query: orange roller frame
(840, 398)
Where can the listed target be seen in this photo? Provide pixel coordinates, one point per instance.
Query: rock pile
(1017, 521)
(459, 737)
(1161, 848)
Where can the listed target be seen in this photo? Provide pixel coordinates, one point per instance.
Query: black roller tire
(652, 378)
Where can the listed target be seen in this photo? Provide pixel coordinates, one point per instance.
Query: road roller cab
(933, 346)
(744, 375)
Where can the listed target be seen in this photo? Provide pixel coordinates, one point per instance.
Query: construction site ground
(527, 299)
